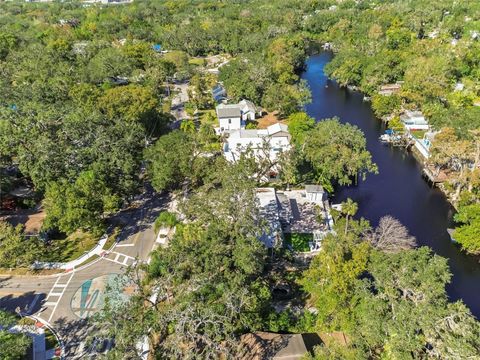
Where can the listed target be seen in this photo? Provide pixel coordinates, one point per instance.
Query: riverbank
(399, 189)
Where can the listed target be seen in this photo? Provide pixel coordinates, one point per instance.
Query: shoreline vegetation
(89, 115)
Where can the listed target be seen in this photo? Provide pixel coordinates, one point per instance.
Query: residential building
(298, 211)
(264, 345)
(233, 116)
(269, 212)
(414, 120)
(389, 89)
(229, 118)
(270, 142)
(248, 110)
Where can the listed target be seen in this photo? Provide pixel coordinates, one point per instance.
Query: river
(398, 189)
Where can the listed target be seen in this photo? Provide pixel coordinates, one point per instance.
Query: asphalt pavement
(65, 300)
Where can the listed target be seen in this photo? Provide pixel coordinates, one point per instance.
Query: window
(229, 121)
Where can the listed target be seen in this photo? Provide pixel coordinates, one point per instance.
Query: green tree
(187, 126)
(108, 62)
(385, 105)
(173, 160)
(468, 234)
(331, 279)
(349, 209)
(80, 205)
(12, 346)
(16, 249)
(129, 103)
(337, 153)
(299, 124)
(286, 99)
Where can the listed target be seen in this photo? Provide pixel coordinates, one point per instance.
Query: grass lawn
(418, 134)
(111, 239)
(197, 61)
(70, 248)
(299, 241)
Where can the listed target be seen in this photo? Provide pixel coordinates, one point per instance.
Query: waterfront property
(389, 89)
(423, 145)
(297, 213)
(265, 143)
(414, 120)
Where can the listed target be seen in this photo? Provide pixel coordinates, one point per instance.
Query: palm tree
(187, 126)
(349, 209)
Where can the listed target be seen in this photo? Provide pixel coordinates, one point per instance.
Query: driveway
(179, 100)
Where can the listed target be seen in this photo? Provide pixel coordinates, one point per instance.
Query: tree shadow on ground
(140, 218)
(28, 303)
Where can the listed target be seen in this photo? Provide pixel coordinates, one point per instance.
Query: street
(65, 300)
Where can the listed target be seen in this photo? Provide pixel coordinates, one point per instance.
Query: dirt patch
(31, 220)
(269, 119)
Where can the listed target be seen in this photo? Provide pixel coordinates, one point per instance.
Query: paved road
(179, 100)
(57, 299)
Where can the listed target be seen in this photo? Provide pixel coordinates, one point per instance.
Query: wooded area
(84, 121)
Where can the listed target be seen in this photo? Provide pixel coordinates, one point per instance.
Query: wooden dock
(434, 176)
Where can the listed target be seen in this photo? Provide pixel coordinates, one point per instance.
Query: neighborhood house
(234, 116)
(389, 89)
(270, 142)
(414, 120)
(229, 118)
(300, 211)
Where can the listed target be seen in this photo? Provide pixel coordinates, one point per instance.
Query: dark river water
(398, 189)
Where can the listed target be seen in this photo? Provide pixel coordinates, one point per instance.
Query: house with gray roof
(234, 116)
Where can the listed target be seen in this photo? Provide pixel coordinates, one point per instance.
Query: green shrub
(167, 219)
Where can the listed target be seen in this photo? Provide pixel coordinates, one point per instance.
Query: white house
(229, 118)
(248, 110)
(315, 194)
(276, 136)
(414, 120)
(234, 116)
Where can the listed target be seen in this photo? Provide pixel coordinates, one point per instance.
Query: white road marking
(50, 303)
(56, 294)
(116, 257)
(116, 262)
(124, 245)
(63, 291)
(127, 256)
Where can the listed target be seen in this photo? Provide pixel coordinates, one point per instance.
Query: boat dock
(434, 176)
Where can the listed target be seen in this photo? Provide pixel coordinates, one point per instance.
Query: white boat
(385, 138)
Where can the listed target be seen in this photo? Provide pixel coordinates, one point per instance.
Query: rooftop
(228, 111)
(259, 133)
(313, 188)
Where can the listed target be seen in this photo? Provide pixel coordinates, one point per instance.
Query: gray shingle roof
(228, 112)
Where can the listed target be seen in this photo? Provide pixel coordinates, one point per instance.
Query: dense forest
(85, 120)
